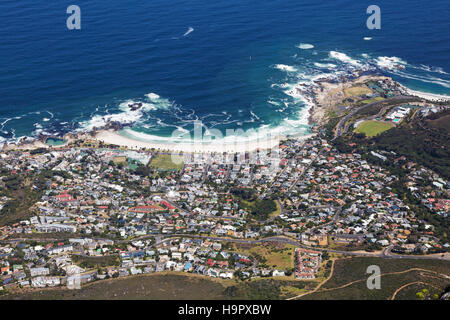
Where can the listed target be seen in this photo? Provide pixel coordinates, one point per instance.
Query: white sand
(113, 137)
(427, 96)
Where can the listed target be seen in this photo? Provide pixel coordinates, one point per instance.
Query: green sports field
(372, 128)
(167, 162)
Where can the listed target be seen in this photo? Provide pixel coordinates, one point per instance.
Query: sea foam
(286, 68)
(127, 116)
(344, 58)
(325, 65)
(389, 63)
(190, 30)
(305, 46)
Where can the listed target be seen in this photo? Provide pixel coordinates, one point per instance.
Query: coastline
(425, 95)
(31, 145)
(324, 95)
(115, 138)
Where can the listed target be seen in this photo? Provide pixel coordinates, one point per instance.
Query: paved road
(306, 168)
(386, 253)
(334, 220)
(341, 128)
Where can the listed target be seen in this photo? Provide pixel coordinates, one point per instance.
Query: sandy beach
(325, 96)
(113, 137)
(427, 96)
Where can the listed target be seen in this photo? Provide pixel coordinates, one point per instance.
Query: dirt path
(383, 274)
(409, 284)
(365, 279)
(404, 286)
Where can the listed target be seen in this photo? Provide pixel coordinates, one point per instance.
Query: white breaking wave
(186, 136)
(160, 103)
(125, 106)
(265, 134)
(367, 38)
(255, 116)
(273, 102)
(297, 92)
(396, 65)
(344, 58)
(434, 80)
(100, 121)
(294, 122)
(299, 97)
(181, 129)
(190, 30)
(152, 96)
(305, 46)
(127, 116)
(430, 69)
(325, 65)
(390, 63)
(286, 68)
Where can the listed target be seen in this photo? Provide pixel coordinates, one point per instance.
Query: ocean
(228, 64)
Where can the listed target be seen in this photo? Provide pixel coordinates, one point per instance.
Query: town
(138, 212)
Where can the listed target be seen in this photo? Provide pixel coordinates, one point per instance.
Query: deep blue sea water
(234, 69)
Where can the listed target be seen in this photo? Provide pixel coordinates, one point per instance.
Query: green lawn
(271, 255)
(357, 91)
(261, 209)
(367, 101)
(96, 262)
(167, 162)
(276, 212)
(372, 128)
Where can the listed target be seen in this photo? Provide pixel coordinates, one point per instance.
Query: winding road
(342, 127)
(385, 253)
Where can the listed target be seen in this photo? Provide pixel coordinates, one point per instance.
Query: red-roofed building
(244, 260)
(222, 264)
(167, 205)
(64, 197)
(210, 262)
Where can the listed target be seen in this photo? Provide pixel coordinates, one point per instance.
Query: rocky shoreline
(326, 94)
(323, 95)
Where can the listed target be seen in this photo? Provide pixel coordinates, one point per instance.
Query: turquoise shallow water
(55, 142)
(229, 64)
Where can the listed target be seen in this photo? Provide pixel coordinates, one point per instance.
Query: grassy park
(167, 162)
(357, 91)
(372, 128)
(371, 100)
(271, 255)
